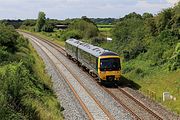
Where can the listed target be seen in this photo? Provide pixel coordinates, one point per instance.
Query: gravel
(110, 104)
(136, 108)
(116, 110)
(72, 108)
(158, 108)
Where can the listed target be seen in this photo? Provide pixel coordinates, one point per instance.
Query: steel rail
(62, 51)
(140, 104)
(90, 94)
(70, 86)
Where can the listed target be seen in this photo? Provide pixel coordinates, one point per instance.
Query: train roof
(109, 53)
(93, 50)
(73, 42)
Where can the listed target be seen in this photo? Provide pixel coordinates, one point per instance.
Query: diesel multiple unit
(103, 63)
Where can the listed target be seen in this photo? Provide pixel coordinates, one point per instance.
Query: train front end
(109, 67)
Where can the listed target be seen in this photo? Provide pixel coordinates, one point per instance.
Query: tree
(40, 21)
(131, 16)
(8, 38)
(150, 26)
(88, 20)
(164, 19)
(47, 27)
(147, 15)
(29, 22)
(87, 29)
(175, 59)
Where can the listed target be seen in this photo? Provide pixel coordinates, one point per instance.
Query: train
(105, 64)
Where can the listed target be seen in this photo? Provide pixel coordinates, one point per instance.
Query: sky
(63, 9)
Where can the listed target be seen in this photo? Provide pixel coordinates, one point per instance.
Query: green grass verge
(49, 107)
(39, 68)
(154, 80)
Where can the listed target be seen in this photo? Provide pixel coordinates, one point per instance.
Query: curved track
(93, 108)
(117, 93)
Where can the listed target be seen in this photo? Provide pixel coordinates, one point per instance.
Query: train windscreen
(110, 64)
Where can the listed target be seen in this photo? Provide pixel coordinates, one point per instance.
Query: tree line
(156, 38)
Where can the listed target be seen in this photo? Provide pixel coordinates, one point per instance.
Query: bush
(48, 28)
(87, 29)
(175, 59)
(8, 38)
(129, 36)
(71, 34)
(4, 55)
(23, 95)
(13, 82)
(97, 40)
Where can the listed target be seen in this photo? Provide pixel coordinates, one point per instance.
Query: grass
(155, 80)
(39, 68)
(105, 30)
(49, 107)
(104, 26)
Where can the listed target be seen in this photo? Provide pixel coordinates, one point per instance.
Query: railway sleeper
(91, 72)
(79, 64)
(74, 60)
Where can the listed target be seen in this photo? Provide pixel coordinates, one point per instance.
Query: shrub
(97, 40)
(48, 28)
(23, 94)
(8, 38)
(87, 29)
(175, 59)
(4, 55)
(71, 34)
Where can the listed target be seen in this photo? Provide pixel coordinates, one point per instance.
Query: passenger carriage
(103, 63)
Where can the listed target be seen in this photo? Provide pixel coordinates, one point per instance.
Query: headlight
(103, 72)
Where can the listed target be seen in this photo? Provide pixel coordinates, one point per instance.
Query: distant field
(105, 26)
(105, 29)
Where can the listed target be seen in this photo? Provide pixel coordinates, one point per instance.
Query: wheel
(101, 82)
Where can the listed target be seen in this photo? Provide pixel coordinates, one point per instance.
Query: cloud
(146, 6)
(172, 1)
(61, 9)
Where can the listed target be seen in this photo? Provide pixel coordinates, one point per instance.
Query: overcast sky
(62, 9)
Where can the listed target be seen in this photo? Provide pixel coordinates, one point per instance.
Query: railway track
(117, 93)
(140, 104)
(90, 105)
(134, 106)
